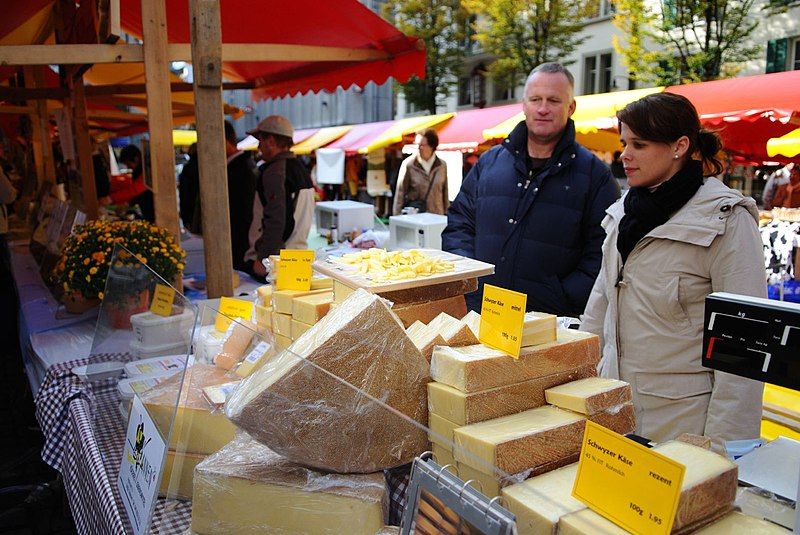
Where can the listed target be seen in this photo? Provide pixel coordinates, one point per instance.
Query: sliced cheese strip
(471, 407)
(310, 308)
(176, 482)
(282, 299)
(740, 523)
(521, 441)
(198, 427)
(247, 488)
(455, 332)
(265, 295)
(478, 367)
(590, 395)
(539, 328)
(539, 502)
(426, 311)
(282, 324)
(235, 346)
(298, 328)
(293, 406)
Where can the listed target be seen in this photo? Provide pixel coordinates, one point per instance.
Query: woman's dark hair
(431, 137)
(129, 153)
(665, 117)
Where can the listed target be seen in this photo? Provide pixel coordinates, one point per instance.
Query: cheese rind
(471, 407)
(454, 331)
(478, 367)
(247, 489)
(431, 292)
(521, 441)
(620, 419)
(427, 311)
(539, 502)
(310, 308)
(590, 395)
(309, 403)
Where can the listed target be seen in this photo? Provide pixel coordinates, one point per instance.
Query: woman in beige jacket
(423, 178)
(674, 238)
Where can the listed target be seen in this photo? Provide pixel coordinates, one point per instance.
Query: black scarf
(646, 210)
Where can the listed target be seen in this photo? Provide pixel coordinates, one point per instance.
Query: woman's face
(425, 150)
(649, 163)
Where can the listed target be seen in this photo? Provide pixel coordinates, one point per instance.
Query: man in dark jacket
(533, 204)
(242, 176)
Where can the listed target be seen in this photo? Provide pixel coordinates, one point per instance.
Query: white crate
(153, 330)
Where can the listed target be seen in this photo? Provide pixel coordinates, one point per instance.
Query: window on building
(505, 90)
(464, 91)
(782, 54)
(796, 54)
(602, 8)
(470, 44)
(597, 73)
(472, 88)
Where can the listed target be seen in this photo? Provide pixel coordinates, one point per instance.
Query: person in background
(775, 180)
(102, 180)
(787, 195)
(242, 176)
(189, 191)
(422, 180)
(532, 206)
(671, 240)
(131, 157)
(284, 207)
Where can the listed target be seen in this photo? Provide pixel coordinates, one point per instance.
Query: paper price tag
(229, 309)
(502, 319)
(295, 271)
(257, 353)
(632, 486)
(163, 298)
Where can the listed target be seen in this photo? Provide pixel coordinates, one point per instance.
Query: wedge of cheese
(539, 328)
(426, 311)
(521, 441)
(264, 295)
(198, 426)
(455, 332)
(235, 346)
(176, 481)
(309, 403)
(590, 395)
(247, 488)
(310, 308)
(473, 321)
(620, 419)
(740, 523)
(539, 502)
(425, 338)
(298, 328)
(471, 407)
(477, 367)
(282, 299)
(282, 324)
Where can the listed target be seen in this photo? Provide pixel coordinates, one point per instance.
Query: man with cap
(284, 204)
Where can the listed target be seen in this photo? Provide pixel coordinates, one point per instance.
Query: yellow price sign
(163, 298)
(629, 484)
(230, 309)
(502, 319)
(295, 271)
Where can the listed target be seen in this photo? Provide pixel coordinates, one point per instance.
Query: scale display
(753, 337)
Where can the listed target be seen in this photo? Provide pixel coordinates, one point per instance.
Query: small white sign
(141, 467)
(257, 353)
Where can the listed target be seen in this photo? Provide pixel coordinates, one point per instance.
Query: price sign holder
(230, 309)
(502, 319)
(459, 504)
(163, 297)
(295, 270)
(627, 483)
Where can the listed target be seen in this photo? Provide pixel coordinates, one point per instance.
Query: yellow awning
(36, 30)
(787, 145)
(409, 125)
(184, 138)
(592, 112)
(320, 138)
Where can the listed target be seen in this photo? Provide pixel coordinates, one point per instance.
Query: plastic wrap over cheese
(248, 488)
(348, 396)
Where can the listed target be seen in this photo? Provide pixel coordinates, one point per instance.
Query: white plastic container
(141, 351)
(136, 385)
(208, 343)
(153, 330)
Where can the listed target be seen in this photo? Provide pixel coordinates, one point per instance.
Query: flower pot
(76, 303)
(120, 309)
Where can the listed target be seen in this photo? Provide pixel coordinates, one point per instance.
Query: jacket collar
(285, 155)
(701, 219)
(517, 142)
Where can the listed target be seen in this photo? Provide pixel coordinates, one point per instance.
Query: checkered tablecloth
(85, 435)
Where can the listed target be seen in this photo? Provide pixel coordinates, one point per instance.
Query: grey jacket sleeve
(737, 266)
(273, 220)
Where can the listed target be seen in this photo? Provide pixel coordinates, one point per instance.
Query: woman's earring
(675, 157)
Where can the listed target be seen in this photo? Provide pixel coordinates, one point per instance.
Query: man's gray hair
(552, 67)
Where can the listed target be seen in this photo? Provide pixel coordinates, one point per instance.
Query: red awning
(344, 23)
(747, 111)
(465, 130)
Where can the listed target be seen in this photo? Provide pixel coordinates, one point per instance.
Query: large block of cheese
(590, 395)
(539, 502)
(521, 441)
(282, 324)
(282, 299)
(282, 342)
(489, 485)
(298, 328)
(341, 291)
(454, 331)
(176, 482)
(264, 295)
(441, 430)
(442, 455)
(740, 523)
(248, 489)
(538, 328)
(478, 367)
(431, 292)
(199, 427)
(620, 419)
(471, 407)
(492, 484)
(310, 308)
(309, 403)
(263, 319)
(428, 310)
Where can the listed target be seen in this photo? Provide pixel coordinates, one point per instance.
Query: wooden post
(41, 134)
(83, 144)
(206, 37)
(159, 115)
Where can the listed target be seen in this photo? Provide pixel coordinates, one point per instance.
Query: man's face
(267, 145)
(548, 104)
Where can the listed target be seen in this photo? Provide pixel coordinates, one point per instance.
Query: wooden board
(465, 268)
